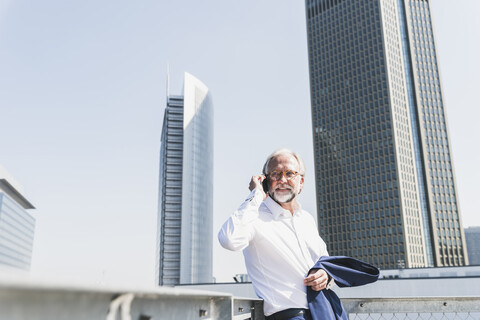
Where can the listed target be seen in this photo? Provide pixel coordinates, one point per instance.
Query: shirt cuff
(330, 283)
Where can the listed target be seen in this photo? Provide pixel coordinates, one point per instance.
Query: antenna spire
(168, 80)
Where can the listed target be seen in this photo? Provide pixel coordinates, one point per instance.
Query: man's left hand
(317, 279)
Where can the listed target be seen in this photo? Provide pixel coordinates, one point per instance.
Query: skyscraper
(385, 182)
(185, 207)
(17, 226)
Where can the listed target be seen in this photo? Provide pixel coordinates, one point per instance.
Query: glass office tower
(385, 182)
(185, 209)
(17, 226)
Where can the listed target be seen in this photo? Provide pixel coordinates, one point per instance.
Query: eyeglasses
(277, 175)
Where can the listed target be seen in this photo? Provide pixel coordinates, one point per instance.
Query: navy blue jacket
(347, 272)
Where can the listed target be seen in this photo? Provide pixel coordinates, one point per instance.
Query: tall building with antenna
(185, 201)
(385, 181)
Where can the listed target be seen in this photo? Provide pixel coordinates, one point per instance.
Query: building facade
(386, 190)
(17, 226)
(185, 208)
(472, 235)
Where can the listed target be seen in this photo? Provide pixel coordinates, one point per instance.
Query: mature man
(280, 241)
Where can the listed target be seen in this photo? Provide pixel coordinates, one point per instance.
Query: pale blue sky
(82, 95)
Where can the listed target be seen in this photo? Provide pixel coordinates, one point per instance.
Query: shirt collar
(277, 210)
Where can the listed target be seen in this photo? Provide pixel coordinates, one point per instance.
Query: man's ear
(302, 180)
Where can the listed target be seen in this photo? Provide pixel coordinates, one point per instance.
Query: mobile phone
(265, 183)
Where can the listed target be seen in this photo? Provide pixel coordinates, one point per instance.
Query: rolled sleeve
(238, 230)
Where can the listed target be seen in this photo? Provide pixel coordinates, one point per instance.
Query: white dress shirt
(279, 249)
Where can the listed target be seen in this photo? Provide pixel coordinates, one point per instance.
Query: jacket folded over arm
(346, 272)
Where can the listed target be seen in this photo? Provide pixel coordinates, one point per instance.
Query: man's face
(284, 190)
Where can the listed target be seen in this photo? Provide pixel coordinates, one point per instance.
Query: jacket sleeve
(237, 232)
(347, 271)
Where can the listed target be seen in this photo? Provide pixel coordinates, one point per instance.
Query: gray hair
(282, 151)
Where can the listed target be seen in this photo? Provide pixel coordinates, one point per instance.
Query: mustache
(283, 186)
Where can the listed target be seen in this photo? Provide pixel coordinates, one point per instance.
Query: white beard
(285, 197)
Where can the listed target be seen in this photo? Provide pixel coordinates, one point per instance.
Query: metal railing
(451, 308)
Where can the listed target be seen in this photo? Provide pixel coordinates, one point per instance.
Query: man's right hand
(256, 182)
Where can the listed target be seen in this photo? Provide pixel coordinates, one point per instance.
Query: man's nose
(283, 178)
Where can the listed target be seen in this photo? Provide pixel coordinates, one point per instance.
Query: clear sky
(82, 96)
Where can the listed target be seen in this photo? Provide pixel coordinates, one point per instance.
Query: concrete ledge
(32, 300)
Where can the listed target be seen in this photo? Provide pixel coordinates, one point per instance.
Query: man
(280, 241)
